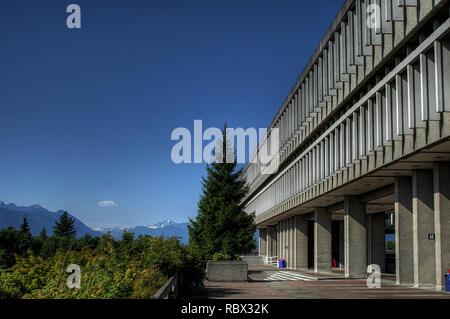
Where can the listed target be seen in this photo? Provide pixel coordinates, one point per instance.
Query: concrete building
(364, 133)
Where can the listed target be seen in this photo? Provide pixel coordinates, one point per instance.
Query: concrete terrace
(314, 286)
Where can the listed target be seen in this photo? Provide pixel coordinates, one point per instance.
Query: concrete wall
(226, 271)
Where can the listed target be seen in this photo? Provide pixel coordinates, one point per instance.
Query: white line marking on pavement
(286, 275)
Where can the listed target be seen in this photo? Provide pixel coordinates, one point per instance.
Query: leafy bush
(130, 268)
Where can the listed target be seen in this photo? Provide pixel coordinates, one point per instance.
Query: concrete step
(253, 260)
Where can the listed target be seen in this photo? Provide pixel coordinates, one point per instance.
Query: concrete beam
(423, 227)
(335, 207)
(378, 193)
(403, 230)
(322, 240)
(355, 237)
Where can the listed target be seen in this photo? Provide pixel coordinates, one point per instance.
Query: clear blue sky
(86, 115)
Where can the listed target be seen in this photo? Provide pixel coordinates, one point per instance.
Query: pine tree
(65, 226)
(25, 227)
(25, 236)
(222, 229)
(43, 235)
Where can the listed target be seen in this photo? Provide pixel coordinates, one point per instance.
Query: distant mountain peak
(162, 224)
(11, 206)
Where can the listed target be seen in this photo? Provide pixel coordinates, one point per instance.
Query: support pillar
(289, 243)
(377, 253)
(355, 237)
(270, 241)
(263, 241)
(442, 220)
(423, 227)
(403, 231)
(322, 240)
(283, 239)
(301, 243)
(279, 239)
(292, 243)
(275, 241)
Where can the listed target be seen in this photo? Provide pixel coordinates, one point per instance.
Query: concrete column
(263, 241)
(423, 227)
(342, 245)
(322, 240)
(288, 243)
(377, 254)
(279, 239)
(294, 244)
(291, 263)
(281, 245)
(301, 243)
(274, 241)
(270, 241)
(403, 231)
(283, 242)
(355, 237)
(442, 220)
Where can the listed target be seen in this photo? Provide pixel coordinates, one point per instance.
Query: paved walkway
(269, 283)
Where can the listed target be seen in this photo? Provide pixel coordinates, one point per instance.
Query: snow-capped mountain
(162, 224)
(167, 228)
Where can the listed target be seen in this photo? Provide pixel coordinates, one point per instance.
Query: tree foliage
(127, 268)
(109, 269)
(221, 227)
(65, 226)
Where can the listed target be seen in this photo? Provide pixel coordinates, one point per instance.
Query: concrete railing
(170, 289)
(271, 261)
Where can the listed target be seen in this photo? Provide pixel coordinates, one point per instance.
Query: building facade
(364, 140)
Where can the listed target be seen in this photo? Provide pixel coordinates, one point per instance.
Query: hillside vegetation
(36, 267)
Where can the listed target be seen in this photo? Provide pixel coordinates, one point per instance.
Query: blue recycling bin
(447, 282)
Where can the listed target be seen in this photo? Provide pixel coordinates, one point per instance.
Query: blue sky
(86, 115)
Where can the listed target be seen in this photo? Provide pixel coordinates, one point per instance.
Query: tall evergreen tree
(43, 234)
(221, 226)
(65, 226)
(25, 236)
(25, 227)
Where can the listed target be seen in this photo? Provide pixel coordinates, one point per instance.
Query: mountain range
(39, 217)
(166, 228)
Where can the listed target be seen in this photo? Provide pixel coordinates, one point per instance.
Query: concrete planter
(226, 271)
